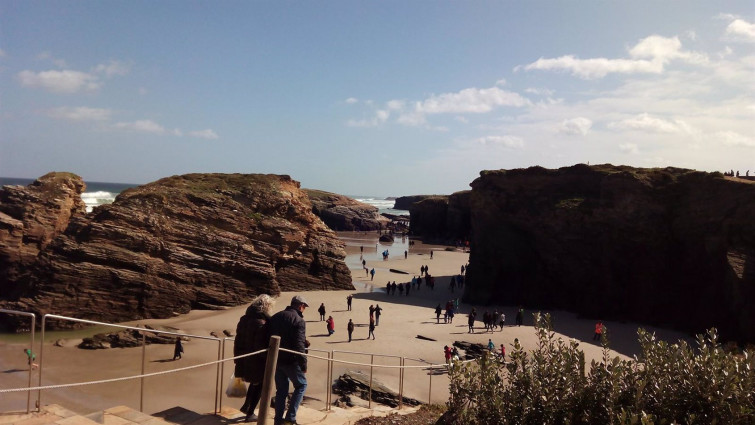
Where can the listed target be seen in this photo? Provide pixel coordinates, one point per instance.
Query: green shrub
(665, 384)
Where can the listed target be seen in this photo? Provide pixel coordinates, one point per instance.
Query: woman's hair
(263, 303)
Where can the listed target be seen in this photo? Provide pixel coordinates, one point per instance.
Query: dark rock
(425, 338)
(398, 271)
(343, 213)
(406, 202)
(358, 383)
(386, 238)
(669, 247)
(128, 338)
(181, 243)
(472, 350)
(443, 219)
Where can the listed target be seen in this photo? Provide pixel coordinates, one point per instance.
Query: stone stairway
(122, 415)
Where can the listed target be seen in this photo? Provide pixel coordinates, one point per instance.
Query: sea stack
(180, 243)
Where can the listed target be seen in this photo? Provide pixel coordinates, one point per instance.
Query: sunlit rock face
(669, 246)
(183, 242)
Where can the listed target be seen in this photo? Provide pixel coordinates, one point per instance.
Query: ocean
(99, 193)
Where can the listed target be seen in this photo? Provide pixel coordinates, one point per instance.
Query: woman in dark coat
(252, 334)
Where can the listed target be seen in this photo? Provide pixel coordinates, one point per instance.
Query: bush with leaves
(665, 384)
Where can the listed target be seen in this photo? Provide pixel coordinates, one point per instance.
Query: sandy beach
(404, 318)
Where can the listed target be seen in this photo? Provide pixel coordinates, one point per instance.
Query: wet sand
(404, 318)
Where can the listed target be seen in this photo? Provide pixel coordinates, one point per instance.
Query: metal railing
(143, 332)
(220, 370)
(31, 351)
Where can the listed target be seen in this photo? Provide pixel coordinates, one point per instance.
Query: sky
(383, 98)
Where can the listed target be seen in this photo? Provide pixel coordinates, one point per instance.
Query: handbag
(236, 388)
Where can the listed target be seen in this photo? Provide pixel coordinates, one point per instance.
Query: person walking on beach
(372, 274)
(431, 254)
(491, 346)
(321, 310)
(252, 334)
(178, 349)
(348, 302)
(598, 331)
(350, 329)
(447, 354)
(289, 324)
(438, 310)
(372, 312)
(503, 353)
(372, 329)
(377, 314)
(330, 325)
(502, 320)
(470, 322)
(406, 254)
(519, 316)
(31, 357)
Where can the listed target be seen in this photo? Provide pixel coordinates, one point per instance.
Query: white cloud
(65, 81)
(461, 119)
(741, 30)
(81, 113)
(112, 68)
(539, 91)
(351, 100)
(204, 134)
(645, 122)
(142, 126)
(380, 117)
(396, 105)
(579, 126)
(732, 138)
(649, 56)
(470, 101)
(512, 142)
(630, 148)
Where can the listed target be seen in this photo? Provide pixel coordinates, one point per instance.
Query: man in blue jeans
(289, 324)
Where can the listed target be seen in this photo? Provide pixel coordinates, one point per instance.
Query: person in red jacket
(330, 323)
(599, 328)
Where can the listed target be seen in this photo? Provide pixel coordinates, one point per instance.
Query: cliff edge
(670, 247)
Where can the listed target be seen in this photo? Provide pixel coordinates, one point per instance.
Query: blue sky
(383, 98)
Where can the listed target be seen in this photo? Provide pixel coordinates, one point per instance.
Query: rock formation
(441, 218)
(358, 383)
(406, 202)
(668, 247)
(343, 213)
(181, 243)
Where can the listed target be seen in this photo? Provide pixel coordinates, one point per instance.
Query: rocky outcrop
(441, 218)
(406, 202)
(31, 217)
(343, 213)
(181, 243)
(358, 384)
(669, 247)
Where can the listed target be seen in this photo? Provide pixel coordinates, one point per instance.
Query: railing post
(219, 394)
(372, 361)
(401, 385)
(41, 349)
(217, 376)
(144, 362)
(267, 382)
(330, 379)
(31, 347)
(430, 391)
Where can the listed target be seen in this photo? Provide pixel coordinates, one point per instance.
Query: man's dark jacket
(290, 326)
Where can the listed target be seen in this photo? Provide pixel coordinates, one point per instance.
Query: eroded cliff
(183, 242)
(343, 213)
(668, 246)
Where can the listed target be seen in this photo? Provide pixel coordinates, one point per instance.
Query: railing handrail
(367, 354)
(136, 328)
(143, 332)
